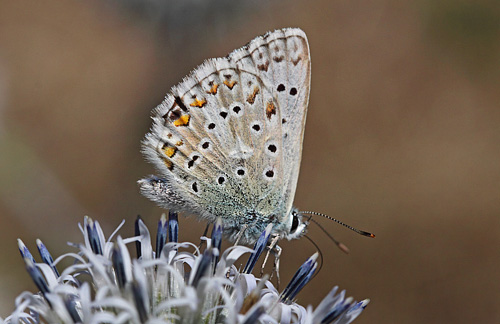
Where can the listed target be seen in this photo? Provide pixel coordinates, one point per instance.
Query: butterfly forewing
(228, 138)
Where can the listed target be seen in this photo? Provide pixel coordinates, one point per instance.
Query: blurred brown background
(402, 136)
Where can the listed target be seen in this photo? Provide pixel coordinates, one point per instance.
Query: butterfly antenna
(320, 255)
(340, 245)
(338, 222)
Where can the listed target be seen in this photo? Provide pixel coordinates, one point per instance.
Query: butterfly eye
(295, 222)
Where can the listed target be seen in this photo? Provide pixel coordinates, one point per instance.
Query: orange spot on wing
(198, 103)
(169, 150)
(213, 89)
(229, 84)
(251, 97)
(270, 109)
(182, 121)
(179, 143)
(168, 163)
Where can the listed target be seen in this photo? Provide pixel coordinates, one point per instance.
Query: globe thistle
(170, 284)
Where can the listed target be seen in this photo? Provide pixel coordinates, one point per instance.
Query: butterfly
(227, 140)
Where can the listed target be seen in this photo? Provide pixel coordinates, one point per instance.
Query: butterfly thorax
(290, 227)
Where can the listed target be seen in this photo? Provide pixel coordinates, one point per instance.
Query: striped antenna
(339, 222)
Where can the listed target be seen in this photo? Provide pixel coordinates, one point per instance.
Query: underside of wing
(282, 59)
(228, 138)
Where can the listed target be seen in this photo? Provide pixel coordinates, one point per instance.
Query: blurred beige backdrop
(402, 136)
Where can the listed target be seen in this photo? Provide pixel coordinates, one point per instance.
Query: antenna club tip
(343, 248)
(367, 234)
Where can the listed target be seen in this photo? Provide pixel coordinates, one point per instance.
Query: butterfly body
(227, 140)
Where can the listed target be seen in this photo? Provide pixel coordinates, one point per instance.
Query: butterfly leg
(276, 267)
(273, 247)
(240, 234)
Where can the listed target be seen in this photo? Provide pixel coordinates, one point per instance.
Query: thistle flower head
(105, 284)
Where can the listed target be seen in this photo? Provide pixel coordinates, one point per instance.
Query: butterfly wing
(227, 140)
(282, 58)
